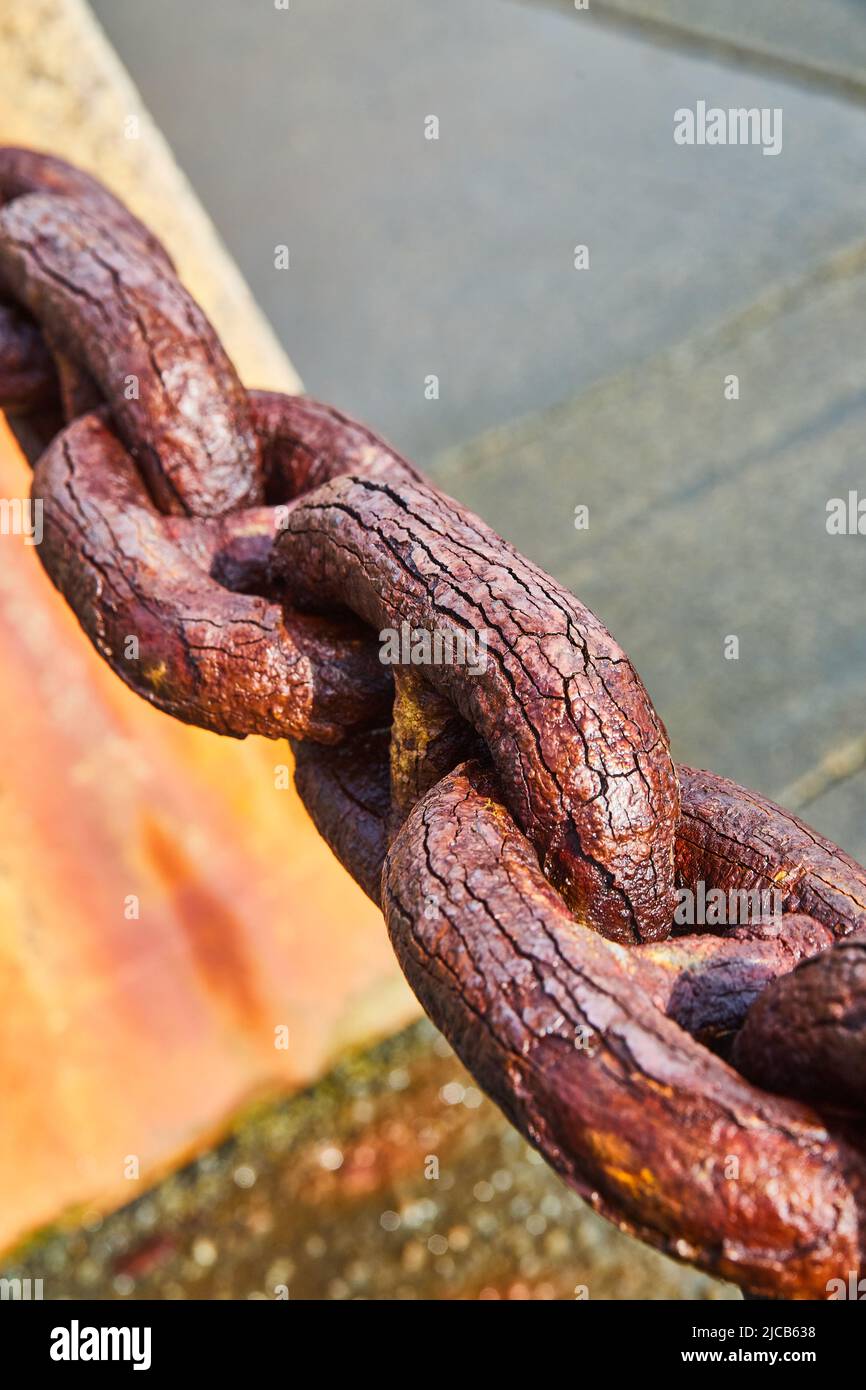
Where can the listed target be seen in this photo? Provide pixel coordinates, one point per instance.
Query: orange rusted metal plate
(126, 1041)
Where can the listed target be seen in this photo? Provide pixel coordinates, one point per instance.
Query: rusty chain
(522, 826)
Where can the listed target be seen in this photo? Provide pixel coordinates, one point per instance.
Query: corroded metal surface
(334, 1195)
(640, 1119)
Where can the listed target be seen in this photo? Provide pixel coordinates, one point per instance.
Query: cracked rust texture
(806, 1034)
(212, 649)
(707, 979)
(254, 544)
(583, 758)
(25, 171)
(32, 378)
(121, 313)
(734, 838)
(707, 983)
(644, 1122)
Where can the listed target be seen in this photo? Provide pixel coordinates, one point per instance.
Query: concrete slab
(820, 44)
(455, 257)
(841, 814)
(708, 519)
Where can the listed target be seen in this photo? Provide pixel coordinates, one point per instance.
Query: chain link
(512, 804)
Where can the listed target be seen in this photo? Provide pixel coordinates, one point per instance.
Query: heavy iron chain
(523, 828)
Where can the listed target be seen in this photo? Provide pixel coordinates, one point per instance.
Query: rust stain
(156, 674)
(639, 1184)
(214, 933)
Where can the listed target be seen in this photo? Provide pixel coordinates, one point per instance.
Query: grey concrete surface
(454, 257)
(841, 814)
(821, 43)
(708, 519)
